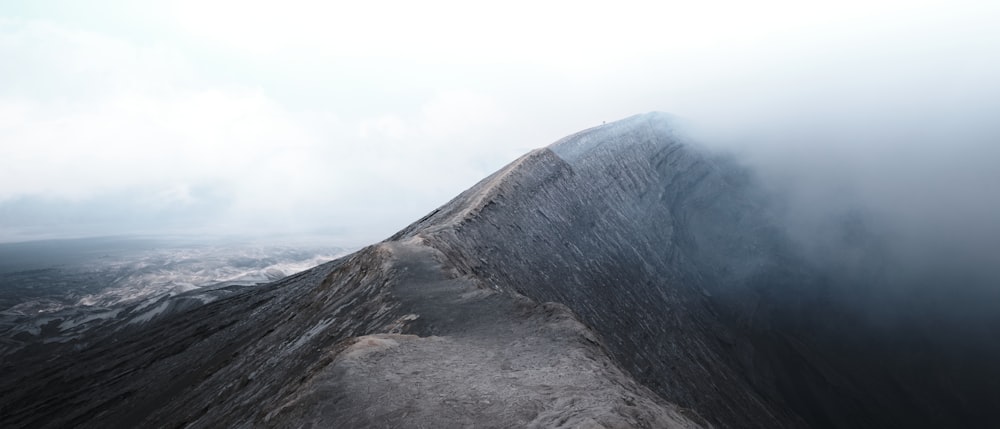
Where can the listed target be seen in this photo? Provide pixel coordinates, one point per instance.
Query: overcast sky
(353, 119)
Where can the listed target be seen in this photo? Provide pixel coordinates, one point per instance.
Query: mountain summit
(620, 277)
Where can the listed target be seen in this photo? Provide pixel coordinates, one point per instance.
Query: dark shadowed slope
(647, 240)
(387, 336)
(618, 278)
(672, 256)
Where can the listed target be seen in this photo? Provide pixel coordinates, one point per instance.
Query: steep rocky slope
(640, 235)
(620, 277)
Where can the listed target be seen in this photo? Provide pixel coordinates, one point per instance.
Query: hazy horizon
(352, 120)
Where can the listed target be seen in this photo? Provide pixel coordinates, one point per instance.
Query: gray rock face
(474, 358)
(389, 336)
(646, 239)
(618, 278)
(671, 255)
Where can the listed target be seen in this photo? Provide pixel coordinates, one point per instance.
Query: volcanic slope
(655, 244)
(620, 277)
(394, 334)
(679, 262)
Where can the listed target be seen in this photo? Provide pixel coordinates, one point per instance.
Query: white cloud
(164, 135)
(386, 126)
(370, 113)
(460, 114)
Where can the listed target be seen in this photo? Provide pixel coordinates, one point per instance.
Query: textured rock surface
(477, 358)
(618, 278)
(639, 235)
(324, 348)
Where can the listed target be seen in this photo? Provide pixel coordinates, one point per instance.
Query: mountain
(620, 277)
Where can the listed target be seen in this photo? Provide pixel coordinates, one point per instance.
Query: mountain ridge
(623, 276)
(613, 156)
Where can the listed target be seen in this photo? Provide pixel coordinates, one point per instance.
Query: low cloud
(294, 129)
(173, 154)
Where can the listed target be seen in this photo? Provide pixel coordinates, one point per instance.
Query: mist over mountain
(625, 276)
(229, 117)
